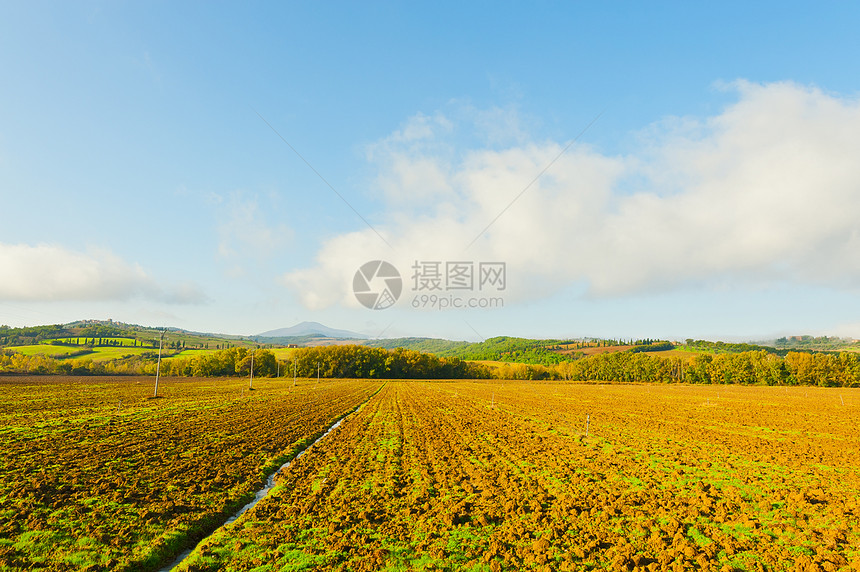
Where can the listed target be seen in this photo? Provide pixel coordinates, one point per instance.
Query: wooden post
(158, 366)
(251, 382)
(587, 420)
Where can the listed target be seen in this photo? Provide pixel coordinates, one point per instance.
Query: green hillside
(95, 334)
(502, 348)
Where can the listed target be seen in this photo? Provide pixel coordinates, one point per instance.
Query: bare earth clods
(96, 476)
(491, 476)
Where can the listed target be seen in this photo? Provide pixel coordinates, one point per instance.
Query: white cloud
(243, 230)
(766, 192)
(53, 273)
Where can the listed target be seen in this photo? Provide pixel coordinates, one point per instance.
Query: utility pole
(294, 372)
(251, 382)
(158, 366)
(318, 372)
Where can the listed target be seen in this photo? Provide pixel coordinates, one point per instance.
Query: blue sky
(144, 178)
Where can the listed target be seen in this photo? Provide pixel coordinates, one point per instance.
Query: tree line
(751, 367)
(351, 361)
(340, 361)
(344, 361)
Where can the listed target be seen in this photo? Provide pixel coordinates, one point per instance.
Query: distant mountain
(311, 329)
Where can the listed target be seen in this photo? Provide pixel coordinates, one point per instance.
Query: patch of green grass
(46, 350)
(82, 559)
(743, 560)
(107, 354)
(634, 482)
(392, 443)
(37, 543)
(191, 353)
(798, 550)
(422, 562)
(295, 560)
(96, 354)
(698, 537)
(739, 531)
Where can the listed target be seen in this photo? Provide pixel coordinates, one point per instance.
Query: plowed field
(95, 476)
(491, 476)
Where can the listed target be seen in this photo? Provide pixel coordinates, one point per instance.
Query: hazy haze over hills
(310, 328)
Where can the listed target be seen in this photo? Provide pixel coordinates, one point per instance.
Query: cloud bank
(767, 192)
(46, 273)
(245, 231)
